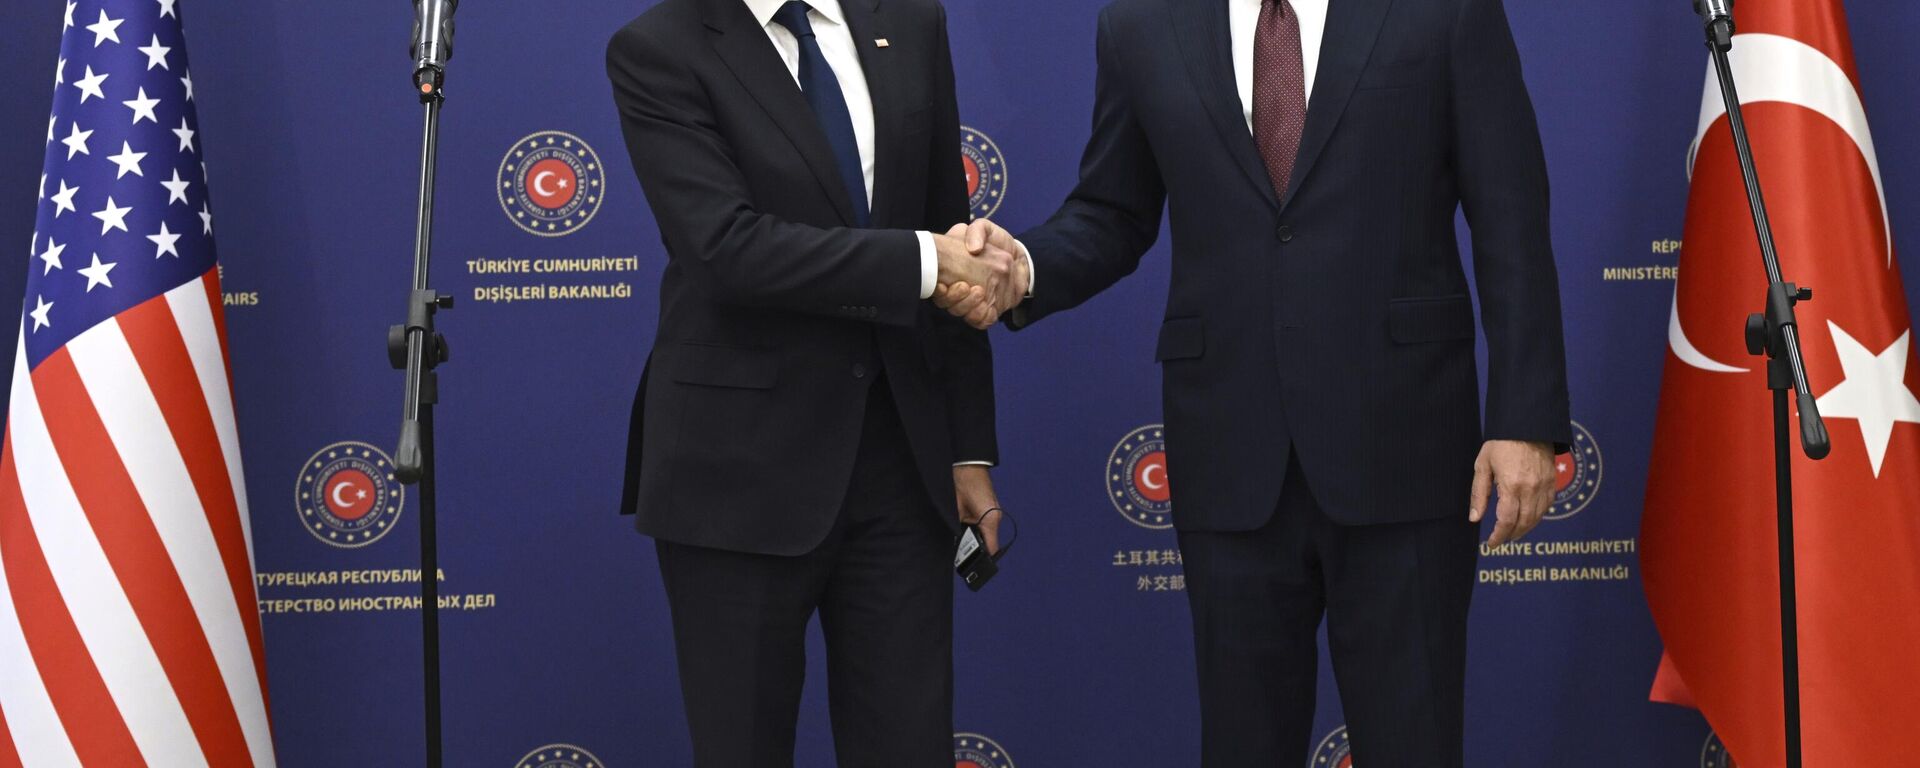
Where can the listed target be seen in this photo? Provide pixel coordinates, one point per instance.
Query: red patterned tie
(1279, 90)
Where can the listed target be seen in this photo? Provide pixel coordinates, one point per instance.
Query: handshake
(983, 272)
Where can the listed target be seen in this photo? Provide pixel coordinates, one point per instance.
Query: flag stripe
(136, 555)
(95, 600)
(9, 757)
(211, 285)
(160, 353)
(140, 432)
(202, 329)
(41, 738)
(205, 336)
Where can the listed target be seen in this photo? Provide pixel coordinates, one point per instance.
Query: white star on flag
(60, 73)
(166, 9)
(63, 200)
(77, 141)
(1874, 392)
(163, 242)
(186, 136)
(52, 257)
(156, 54)
(90, 85)
(128, 160)
(142, 107)
(70, 6)
(206, 218)
(186, 79)
(112, 217)
(97, 274)
(52, 120)
(177, 188)
(39, 313)
(105, 29)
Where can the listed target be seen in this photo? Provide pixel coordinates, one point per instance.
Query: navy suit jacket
(776, 314)
(1332, 322)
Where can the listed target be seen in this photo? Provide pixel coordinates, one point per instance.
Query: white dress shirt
(1243, 18)
(830, 30)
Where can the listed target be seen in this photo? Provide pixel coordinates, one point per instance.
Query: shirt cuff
(1032, 274)
(973, 463)
(929, 264)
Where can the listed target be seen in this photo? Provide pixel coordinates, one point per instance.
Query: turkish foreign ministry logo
(551, 184)
(1577, 476)
(347, 495)
(1333, 752)
(1713, 754)
(559, 756)
(1136, 476)
(972, 750)
(986, 172)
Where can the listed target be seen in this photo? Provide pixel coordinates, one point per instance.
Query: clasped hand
(983, 272)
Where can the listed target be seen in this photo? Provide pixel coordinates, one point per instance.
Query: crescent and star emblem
(1772, 68)
(540, 184)
(1146, 477)
(335, 494)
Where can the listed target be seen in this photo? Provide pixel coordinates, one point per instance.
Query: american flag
(129, 631)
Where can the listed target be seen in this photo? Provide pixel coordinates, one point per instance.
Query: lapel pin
(881, 42)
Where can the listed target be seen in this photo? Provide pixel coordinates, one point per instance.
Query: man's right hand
(981, 306)
(984, 275)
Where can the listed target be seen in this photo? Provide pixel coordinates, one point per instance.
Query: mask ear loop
(1004, 545)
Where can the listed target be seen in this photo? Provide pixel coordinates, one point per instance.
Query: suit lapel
(744, 46)
(1206, 42)
(867, 23)
(1352, 28)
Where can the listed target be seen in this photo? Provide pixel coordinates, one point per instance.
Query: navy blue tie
(822, 89)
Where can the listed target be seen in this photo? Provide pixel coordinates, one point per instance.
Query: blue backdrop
(557, 644)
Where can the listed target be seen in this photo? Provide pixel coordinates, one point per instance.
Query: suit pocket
(1181, 338)
(715, 365)
(1438, 318)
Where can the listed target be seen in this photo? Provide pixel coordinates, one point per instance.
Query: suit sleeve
(707, 217)
(1113, 215)
(969, 375)
(1502, 174)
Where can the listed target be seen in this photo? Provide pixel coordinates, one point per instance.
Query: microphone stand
(1773, 332)
(418, 348)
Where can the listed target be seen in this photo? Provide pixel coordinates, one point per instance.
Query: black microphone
(1718, 17)
(432, 43)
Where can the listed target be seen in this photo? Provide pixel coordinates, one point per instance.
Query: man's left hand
(973, 490)
(1524, 474)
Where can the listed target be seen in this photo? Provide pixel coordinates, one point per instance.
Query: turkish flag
(1708, 542)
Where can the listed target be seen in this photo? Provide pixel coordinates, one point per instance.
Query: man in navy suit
(1320, 386)
(809, 432)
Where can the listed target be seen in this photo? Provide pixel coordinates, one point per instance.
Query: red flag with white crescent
(1708, 545)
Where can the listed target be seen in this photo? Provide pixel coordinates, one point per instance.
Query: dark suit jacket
(776, 315)
(1334, 321)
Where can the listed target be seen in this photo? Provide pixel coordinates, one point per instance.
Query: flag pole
(418, 348)
(1773, 332)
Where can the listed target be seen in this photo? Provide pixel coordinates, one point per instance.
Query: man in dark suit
(1320, 387)
(806, 419)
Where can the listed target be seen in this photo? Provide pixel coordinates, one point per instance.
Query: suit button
(1285, 233)
(859, 370)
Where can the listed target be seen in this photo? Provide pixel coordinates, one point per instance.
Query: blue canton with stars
(123, 213)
